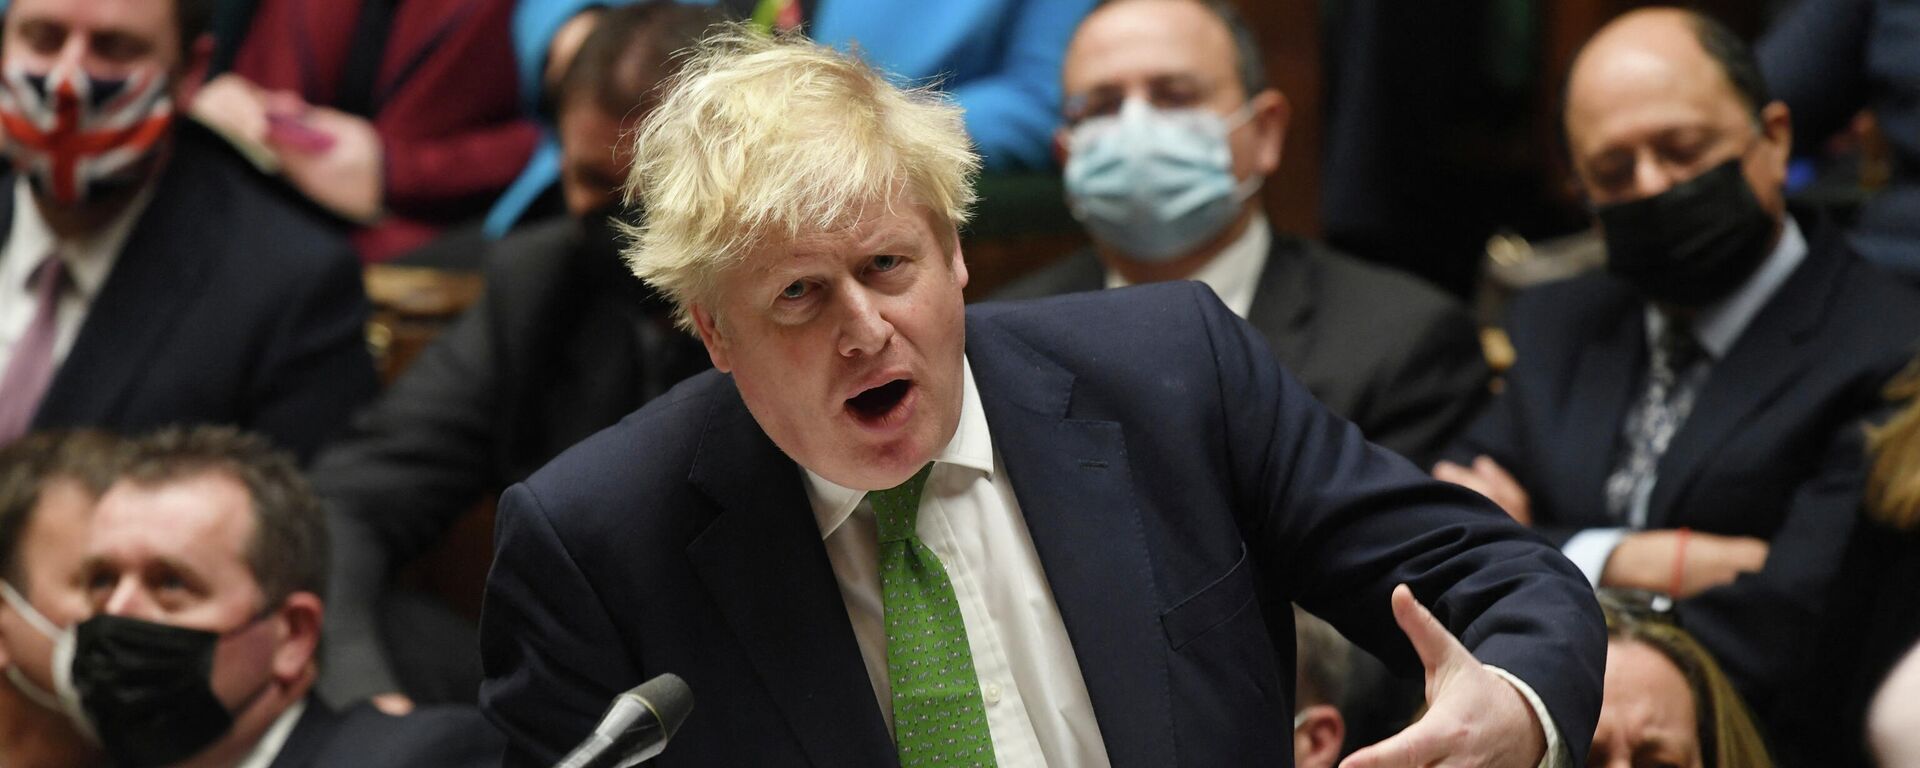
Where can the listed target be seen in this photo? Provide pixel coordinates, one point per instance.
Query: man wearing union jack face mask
(148, 275)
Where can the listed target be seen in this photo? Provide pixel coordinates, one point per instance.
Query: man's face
(1646, 712)
(1648, 109)
(1173, 54)
(847, 345)
(593, 159)
(51, 548)
(175, 554)
(109, 39)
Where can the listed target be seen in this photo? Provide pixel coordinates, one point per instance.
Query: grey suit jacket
(1388, 352)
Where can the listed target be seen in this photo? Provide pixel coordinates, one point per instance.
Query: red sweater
(445, 103)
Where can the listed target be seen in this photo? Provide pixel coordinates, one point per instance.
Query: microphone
(636, 727)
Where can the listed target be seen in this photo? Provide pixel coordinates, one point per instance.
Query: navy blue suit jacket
(364, 737)
(1179, 489)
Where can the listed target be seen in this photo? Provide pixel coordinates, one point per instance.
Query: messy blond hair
(762, 138)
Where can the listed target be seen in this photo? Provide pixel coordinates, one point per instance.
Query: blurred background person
(1690, 422)
(1894, 727)
(1170, 130)
(1833, 60)
(204, 569)
(564, 342)
(49, 483)
(1667, 703)
(149, 276)
(1322, 662)
(403, 118)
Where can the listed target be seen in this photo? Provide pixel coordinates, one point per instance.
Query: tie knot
(49, 279)
(896, 509)
(1677, 347)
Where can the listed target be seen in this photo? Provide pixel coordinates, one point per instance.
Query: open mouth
(876, 404)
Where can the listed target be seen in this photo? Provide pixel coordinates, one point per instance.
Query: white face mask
(65, 698)
(1299, 719)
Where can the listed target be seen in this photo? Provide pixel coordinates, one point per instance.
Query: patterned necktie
(1675, 370)
(30, 370)
(938, 717)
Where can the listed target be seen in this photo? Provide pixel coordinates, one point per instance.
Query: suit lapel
(158, 275)
(1768, 356)
(763, 562)
(1072, 481)
(1283, 301)
(1604, 383)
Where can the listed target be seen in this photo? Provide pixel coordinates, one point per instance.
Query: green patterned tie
(938, 719)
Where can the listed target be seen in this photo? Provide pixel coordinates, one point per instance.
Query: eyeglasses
(1637, 605)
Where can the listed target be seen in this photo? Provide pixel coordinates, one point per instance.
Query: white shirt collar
(1234, 273)
(1718, 326)
(971, 447)
(275, 738)
(89, 259)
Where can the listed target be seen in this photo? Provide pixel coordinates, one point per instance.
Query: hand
(345, 175)
(1474, 718)
(233, 106)
(1489, 479)
(1645, 560)
(396, 704)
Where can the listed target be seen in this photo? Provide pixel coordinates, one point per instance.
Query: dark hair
(195, 18)
(632, 49)
(1323, 660)
(288, 552)
(29, 464)
(1248, 63)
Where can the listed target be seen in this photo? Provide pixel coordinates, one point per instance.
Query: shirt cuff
(1556, 756)
(1589, 550)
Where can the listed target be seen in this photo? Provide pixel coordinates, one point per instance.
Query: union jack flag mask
(76, 136)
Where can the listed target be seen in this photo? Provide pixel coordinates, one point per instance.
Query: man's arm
(412, 464)
(316, 371)
(1339, 524)
(546, 641)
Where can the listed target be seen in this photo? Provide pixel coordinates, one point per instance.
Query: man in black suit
(889, 529)
(1690, 421)
(203, 570)
(149, 276)
(564, 342)
(1170, 130)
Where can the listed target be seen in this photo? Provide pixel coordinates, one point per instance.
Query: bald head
(1660, 96)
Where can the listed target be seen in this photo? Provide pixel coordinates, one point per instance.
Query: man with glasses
(1689, 422)
(1169, 131)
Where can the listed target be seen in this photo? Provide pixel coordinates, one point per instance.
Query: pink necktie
(31, 369)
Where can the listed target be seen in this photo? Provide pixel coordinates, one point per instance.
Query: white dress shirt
(1234, 272)
(88, 262)
(275, 738)
(1717, 327)
(1038, 710)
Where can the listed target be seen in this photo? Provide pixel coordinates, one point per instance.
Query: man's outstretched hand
(1473, 718)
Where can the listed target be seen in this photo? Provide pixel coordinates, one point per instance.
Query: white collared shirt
(88, 262)
(1717, 327)
(1038, 710)
(1234, 272)
(275, 738)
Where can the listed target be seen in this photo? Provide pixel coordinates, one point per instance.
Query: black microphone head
(670, 699)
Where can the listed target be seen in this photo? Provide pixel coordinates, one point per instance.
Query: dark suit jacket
(1175, 506)
(1388, 352)
(1773, 448)
(229, 305)
(564, 342)
(364, 737)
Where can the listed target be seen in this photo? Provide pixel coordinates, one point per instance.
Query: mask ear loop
(26, 686)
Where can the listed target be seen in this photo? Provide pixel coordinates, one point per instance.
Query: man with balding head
(1689, 422)
(1170, 130)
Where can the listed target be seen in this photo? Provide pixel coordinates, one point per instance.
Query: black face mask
(1693, 244)
(147, 688)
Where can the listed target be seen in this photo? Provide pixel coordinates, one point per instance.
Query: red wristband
(1679, 563)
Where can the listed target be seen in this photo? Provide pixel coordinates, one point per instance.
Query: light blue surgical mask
(1155, 184)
